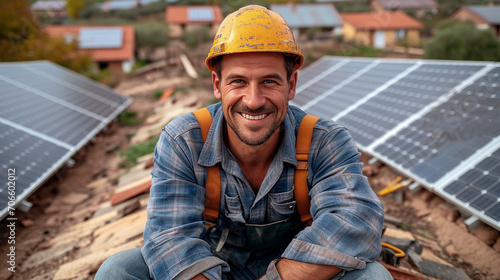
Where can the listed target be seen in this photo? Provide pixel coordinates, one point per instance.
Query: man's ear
(216, 84)
(292, 85)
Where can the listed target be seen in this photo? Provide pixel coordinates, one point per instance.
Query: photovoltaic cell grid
(427, 119)
(348, 85)
(402, 99)
(449, 134)
(47, 114)
(200, 14)
(30, 156)
(100, 38)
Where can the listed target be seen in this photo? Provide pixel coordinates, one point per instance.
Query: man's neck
(254, 161)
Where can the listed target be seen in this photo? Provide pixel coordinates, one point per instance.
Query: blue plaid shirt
(347, 215)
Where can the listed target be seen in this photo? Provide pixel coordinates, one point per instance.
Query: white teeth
(259, 117)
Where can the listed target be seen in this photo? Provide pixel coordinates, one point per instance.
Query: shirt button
(290, 207)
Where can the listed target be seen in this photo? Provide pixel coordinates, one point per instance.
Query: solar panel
(438, 122)
(449, 133)
(47, 114)
(200, 14)
(100, 38)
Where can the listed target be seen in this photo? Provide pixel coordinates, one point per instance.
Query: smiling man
(258, 232)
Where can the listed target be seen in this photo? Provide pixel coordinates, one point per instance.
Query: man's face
(254, 91)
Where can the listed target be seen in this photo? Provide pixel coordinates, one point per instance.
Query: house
(114, 5)
(304, 17)
(112, 47)
(381, 29)
(482, 16)
(419, 7)
(52, 9)
(180, 17)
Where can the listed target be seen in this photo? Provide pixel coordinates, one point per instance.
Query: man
(258, 233)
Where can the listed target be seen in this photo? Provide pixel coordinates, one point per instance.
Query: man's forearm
(291, 270)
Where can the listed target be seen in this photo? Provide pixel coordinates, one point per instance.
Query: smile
(249, 117)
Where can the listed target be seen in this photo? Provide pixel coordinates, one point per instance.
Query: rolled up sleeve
(347, 215)
(173, 244)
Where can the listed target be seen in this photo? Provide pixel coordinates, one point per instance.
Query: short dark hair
(290, 61)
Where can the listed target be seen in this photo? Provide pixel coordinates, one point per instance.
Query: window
(401, 34)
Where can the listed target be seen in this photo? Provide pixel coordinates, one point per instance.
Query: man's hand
(200, 277)
(295, 270)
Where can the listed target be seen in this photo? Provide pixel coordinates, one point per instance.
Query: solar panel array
(47, 114)
(100, 38)
(438, 122)
(200, 14)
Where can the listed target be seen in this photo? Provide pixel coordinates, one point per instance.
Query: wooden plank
(128, 193)
(89, 264)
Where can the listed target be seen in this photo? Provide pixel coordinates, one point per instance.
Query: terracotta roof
(381, 21)
(125, 52)
(193, 14)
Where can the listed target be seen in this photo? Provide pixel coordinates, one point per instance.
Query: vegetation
(151, 35)
(22, 40)
(134, 152)
(158, 94)
(353, 6)
(129, 118)
(450, 43)
(197, 35)
(73, 7)
(357, 50)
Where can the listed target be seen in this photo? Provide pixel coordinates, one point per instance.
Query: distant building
(482, 16)
(112, 47)
(419, 7)
(114, 5)
(179, 18)
(381, 29)
(52, 8)
(303, 17)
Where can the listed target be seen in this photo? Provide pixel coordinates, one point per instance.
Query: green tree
(74, 7)
(196, 35)
(151, 35)
(463, 41)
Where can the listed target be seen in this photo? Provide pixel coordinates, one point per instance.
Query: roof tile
(381, 21)
(125, 52)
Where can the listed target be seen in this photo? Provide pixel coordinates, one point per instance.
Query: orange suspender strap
(302, 147)
(212, 188)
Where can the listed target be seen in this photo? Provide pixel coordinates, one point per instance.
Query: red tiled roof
(381, 20)
(125, 52)
(180, 14)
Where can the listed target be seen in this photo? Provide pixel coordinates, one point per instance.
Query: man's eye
(270, 82)
(237, 81)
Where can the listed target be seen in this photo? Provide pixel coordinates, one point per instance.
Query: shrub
(463, 41)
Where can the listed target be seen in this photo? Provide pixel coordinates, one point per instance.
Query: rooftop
(49, 5)
(308, 15)
(118, 46)
(490, 13)
(193, 14)
(408, 4)
(381, 21)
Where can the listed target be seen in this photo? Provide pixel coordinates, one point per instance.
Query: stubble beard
(251, 140)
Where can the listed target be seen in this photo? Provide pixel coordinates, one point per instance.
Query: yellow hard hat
(254, 28)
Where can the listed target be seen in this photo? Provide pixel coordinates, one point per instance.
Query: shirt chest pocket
(280, 206)
(234, 210)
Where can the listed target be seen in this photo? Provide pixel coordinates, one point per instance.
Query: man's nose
(253, 98)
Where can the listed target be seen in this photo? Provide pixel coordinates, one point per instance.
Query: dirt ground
(435, 224)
